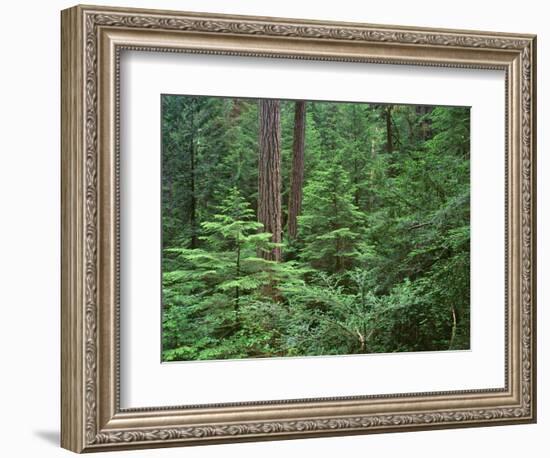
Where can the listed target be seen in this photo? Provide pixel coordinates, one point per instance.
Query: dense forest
(301, 228)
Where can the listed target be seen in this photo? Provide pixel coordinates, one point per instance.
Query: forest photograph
(297, 228)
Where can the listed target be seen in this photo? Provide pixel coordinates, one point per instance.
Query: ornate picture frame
(92, 41)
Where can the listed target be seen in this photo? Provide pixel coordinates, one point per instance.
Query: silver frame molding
(92, 40)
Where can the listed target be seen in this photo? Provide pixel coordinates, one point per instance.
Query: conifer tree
(216, 282)
(330, 225)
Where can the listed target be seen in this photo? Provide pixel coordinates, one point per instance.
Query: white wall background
(29, 229)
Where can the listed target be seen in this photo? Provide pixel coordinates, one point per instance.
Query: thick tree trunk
(425, 128)
(389, 133)
(269, 173)
(297, 175)
(372, 176)
(193, 203)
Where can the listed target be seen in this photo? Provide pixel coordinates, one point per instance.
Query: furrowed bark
(192, 173)
(297, 175)
(389, 133)
(269, 174)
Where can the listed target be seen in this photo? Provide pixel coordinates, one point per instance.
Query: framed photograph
(278, 228)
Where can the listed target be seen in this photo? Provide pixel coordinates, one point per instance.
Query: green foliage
(330, 225)
(213, 291)
(382, 258)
